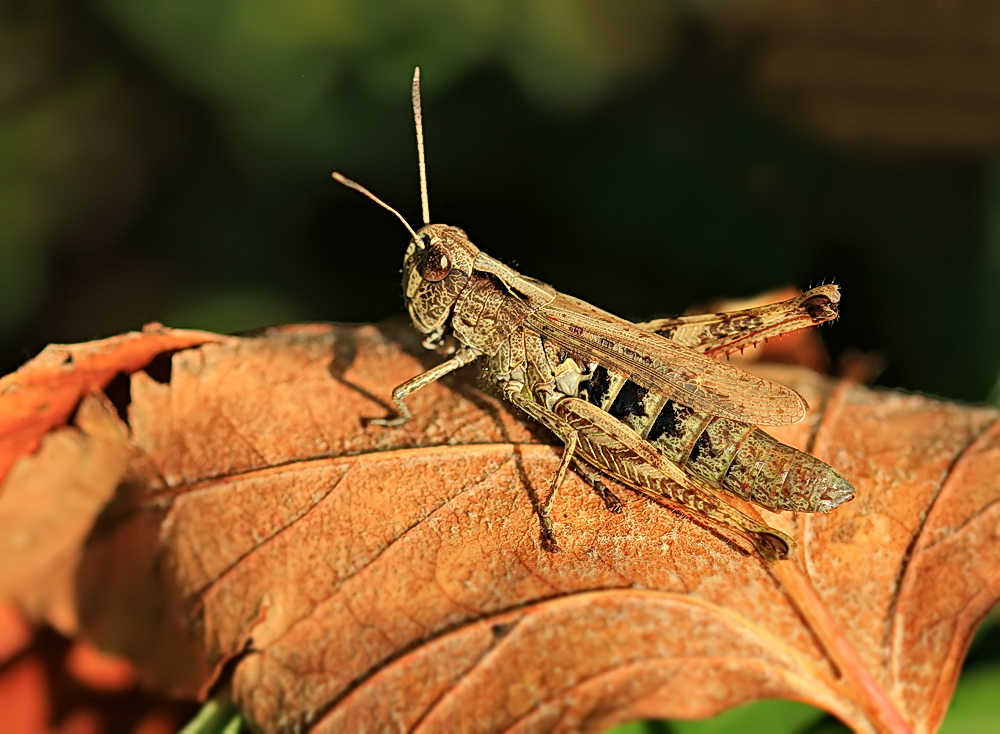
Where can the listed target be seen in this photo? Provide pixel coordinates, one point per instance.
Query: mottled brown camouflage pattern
(646, 404)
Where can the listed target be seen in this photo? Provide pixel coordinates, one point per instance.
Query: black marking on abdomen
(666, 423)
(597, 386)
(628, 401)
(704, 443)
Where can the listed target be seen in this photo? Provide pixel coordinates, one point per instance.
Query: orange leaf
(351, 578)
(43, 393)
(53, 685)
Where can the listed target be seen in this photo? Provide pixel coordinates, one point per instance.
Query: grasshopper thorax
(436, 269)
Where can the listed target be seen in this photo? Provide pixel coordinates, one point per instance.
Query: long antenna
(418, 118)
(340, 178)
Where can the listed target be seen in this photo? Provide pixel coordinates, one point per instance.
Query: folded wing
(665, 367)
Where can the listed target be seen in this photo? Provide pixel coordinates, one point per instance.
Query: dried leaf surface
(43, 393)
(50, 684)
(350, 578)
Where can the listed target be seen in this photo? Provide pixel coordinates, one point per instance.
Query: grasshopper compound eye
(437, 264)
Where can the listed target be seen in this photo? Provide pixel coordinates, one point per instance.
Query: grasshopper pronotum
(641, 403)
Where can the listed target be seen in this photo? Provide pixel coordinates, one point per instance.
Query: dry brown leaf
(349, 578)
(42, 394)
(55, 685)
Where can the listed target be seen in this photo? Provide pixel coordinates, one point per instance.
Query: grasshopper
(645, 404)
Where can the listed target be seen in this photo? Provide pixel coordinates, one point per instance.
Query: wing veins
(667, 368)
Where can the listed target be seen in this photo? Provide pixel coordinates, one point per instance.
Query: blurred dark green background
(171, 161)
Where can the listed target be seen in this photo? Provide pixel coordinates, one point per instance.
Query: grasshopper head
(439, 260)
(436, 269)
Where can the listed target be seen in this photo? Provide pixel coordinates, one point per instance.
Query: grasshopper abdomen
(725, 454)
